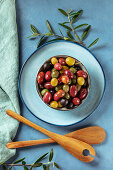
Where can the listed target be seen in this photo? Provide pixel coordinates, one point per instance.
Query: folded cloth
(8, 76)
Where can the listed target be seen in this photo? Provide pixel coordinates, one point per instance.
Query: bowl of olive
(63, 82)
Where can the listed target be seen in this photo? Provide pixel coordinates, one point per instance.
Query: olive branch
(37, 163)
(71, 30)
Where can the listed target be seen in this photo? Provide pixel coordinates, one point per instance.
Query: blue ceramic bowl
(33, 102)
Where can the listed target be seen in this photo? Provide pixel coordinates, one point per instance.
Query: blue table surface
(99, 14)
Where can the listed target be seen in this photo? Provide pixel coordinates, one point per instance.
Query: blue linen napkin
(8, 76)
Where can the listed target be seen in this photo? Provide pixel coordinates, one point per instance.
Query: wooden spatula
(73, 146)
(91, 135)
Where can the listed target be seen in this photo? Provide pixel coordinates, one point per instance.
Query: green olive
(55, 74)
(44, 91)
(59, 87)
(70, 81)
(75, 76)
(78, 87)
(74, 81)
(53, 70)
(73, 69)
(67, 96)
(66, 88)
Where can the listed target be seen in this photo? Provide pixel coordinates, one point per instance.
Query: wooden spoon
(91, 135)
(73, 146)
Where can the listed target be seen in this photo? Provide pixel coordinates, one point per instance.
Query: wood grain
(91, 135)
(73, 146)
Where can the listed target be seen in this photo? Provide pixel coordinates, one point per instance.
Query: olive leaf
(70, 10)
(56, 165)
(37, 165)
(33, 28)
(44, 167)
(65, 26)
(19, 160)
(65, 22)
(49, 27)
(40, 158)
(25, 167)
(94, 42)
(51, 155)
(10, 168)
(80, 26)
(55, 39)
(75, 15)
(61, 32)
(33, 35)
(70, 35)
(39, 42)
(85, 32)
(74, 18)
(63, 12)
(30, 36)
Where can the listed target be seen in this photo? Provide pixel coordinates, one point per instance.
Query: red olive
(69, 73)
(81, 73)
(40, 77)
(83, 93)
(62, 61)
(56, 97)
(73, 91)
(48, 75)
(47, 97)
(60, 80)
(59, 94)
(58, 66)
(76, 101)
(48, 85)
(65, 79)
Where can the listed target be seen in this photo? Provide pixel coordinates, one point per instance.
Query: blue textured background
(99, 14)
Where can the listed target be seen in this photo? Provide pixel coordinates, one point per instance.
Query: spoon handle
(19, 144)
(28, 122)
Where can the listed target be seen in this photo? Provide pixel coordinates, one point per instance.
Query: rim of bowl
(83, 68)
(19, 88)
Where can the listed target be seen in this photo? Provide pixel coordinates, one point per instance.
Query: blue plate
(33, 102)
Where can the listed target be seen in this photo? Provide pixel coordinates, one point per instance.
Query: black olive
(64, 102)
(46, 66)
(77, 67)
(52, 91)
(70, 105)
(51, 65)
(86, 83)
(41, 86)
